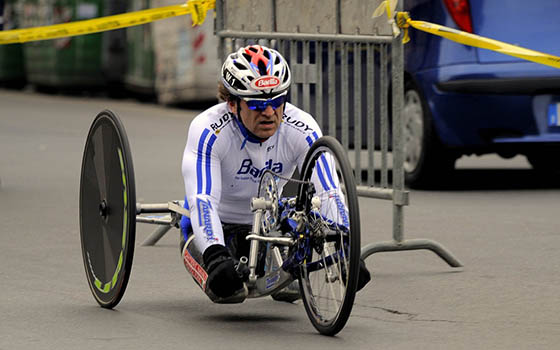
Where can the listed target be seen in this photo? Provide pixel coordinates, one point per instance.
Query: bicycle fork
(258, 206)
(254, 249)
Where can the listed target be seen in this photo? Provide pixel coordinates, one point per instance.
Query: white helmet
(256, 71)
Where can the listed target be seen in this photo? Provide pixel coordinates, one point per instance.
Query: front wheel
(329, 274)
(542, 161)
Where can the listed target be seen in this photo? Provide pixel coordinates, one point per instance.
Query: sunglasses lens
(260, 105)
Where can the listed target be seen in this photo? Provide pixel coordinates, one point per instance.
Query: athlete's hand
(223, 279)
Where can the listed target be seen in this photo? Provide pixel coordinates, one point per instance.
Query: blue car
(460, 100)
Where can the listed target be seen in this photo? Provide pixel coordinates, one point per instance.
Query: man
(228, 148)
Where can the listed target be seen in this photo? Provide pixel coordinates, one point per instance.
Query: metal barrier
(343, 65)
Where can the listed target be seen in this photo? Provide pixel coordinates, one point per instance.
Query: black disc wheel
(329, 275)
(107, 209)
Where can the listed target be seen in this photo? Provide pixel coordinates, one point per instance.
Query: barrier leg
(398, 194)
(411, 244)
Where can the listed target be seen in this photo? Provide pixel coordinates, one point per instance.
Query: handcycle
(313, 238)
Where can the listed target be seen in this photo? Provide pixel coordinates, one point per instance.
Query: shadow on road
(198, 307)
(243, 318)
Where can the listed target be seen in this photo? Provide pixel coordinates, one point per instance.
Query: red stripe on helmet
(257, 56)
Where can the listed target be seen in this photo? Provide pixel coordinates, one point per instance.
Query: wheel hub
(103, 209)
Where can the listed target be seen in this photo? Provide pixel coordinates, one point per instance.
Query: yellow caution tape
(404, 21)
(486, 43)
(196, 8)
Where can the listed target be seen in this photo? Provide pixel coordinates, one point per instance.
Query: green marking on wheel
(125, 198)
(122, 168)
(111, 284)
(119, 266)
(125, 222)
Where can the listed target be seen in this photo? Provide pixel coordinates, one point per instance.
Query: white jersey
(222, 166)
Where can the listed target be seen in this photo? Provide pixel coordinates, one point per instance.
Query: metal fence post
(306, 75)
(399, 194)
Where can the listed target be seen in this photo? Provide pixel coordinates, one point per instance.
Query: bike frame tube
(254, 249)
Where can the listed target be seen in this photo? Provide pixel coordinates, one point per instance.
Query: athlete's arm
(324, 179)
(202, 176)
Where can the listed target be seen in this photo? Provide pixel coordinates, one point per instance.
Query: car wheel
(541, 162)
(427, 163)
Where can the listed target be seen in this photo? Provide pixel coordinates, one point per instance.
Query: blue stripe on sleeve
(309, 140)
(208, 169)
(199, 161)
(322, 177)
(319, 171)
(328, 170)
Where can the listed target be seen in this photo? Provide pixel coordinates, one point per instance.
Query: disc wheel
(329, 275)
(107, 209)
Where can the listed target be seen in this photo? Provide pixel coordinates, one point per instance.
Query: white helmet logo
(266, 82)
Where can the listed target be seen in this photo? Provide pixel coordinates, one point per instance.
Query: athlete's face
(262, 123)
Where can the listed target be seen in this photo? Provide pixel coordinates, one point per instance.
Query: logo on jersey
(224, 120)
(297, 123)
(266, 82)
(204, 219)
(248, 168)
(341, 210)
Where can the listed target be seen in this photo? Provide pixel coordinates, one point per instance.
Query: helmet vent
(254, 49)
(262, 68)
(266, 54)
(238, 85)
(247, 56)
(277, 61)
(239, 65)
(286, 77)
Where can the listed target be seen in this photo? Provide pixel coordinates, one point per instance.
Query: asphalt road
(498, 217)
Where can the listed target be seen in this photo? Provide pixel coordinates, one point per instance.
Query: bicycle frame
(278, 272)
(274, 278)
(290, 237)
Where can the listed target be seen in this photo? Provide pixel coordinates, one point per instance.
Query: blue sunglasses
(261, 104)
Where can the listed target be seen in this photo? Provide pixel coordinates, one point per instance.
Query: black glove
(223, 279)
